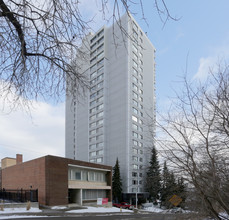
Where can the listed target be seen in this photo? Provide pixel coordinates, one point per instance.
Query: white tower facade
(110, 121)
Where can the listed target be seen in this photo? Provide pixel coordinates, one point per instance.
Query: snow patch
(98, 210)
(153, 209)
(224, 215)
(59, 207)
(19, 216)
(18, 210)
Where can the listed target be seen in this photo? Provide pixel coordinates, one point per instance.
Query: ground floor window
(93, 194)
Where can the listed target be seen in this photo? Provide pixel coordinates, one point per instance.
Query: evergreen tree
(171, 187)
(181, 190)
(165, 181)
(116, 183)
(153, 180)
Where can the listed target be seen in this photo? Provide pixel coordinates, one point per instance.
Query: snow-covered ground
(18, 216)
(19, 210)
(153, 209)
(59, 207)
(14, 211)
(98, 210)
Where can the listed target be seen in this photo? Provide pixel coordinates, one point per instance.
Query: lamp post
(137, 198)
(137, 193)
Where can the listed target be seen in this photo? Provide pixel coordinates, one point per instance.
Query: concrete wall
(116, 109)
(123, 50)
(73, 113)
(7, 162)
(76, 196)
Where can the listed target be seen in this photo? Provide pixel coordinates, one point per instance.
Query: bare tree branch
(40, 41)
(194, 138)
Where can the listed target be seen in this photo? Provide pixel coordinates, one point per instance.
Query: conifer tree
(153, 180)
(181, 186)
(181, 190)
(116, 183)
(171, 187)
(164, 188)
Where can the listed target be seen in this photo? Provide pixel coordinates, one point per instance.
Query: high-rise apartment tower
(111, 120)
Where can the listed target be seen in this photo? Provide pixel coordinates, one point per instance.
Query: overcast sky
(197, 41)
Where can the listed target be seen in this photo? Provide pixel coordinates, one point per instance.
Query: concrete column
(81, 196)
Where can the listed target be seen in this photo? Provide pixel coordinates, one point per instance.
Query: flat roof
(86, 167)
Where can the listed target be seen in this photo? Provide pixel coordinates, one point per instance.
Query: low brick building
(60, 180)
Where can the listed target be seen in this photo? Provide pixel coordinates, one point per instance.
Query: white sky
(195, 42)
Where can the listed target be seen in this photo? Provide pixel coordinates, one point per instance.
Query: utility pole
(137, 192)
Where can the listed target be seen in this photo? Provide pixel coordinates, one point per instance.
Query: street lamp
(137, 192)
(137, 197)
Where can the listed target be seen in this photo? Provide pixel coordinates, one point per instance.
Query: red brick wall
(19, 158)
(49, 175)
(57, 181)
(24, 175)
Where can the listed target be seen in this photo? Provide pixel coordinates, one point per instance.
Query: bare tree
(195, 139)
(40, 41)
(37, 42)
